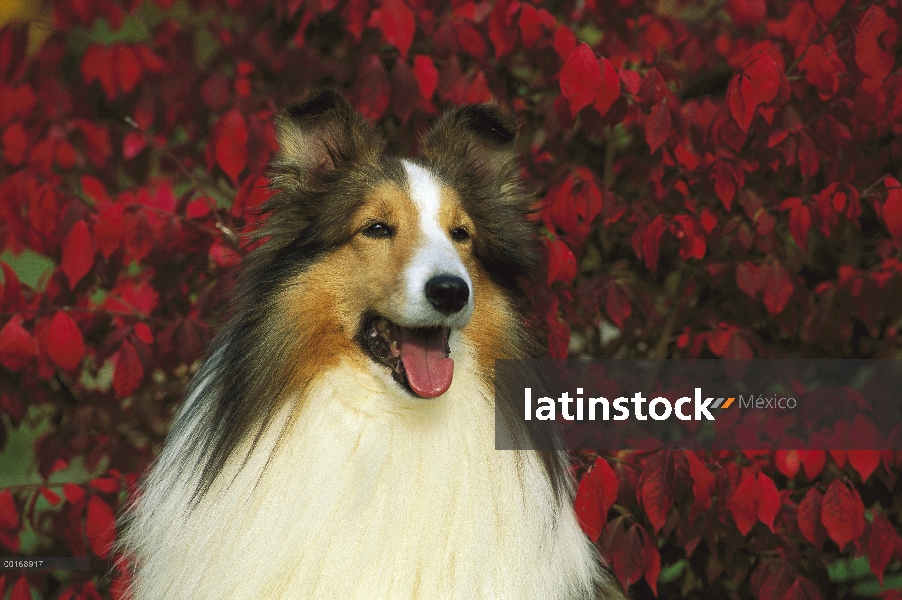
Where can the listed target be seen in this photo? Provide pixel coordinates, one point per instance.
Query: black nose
(447, 293)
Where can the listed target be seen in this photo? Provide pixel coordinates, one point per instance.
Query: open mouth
(417, 356)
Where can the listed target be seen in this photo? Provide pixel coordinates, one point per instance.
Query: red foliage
(715, 180)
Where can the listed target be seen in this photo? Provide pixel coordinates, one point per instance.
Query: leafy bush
(716, 180)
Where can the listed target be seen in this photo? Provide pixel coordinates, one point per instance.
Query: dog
(338, 440)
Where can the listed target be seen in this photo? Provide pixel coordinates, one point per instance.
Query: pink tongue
(429, 371)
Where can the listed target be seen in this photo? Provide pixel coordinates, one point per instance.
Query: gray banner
(703, 404)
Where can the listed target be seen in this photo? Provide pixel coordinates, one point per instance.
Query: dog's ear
(320, 133)
(480, 136)
(473, 150)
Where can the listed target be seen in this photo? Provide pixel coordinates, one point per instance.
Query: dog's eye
(459, 234)
(378, 230)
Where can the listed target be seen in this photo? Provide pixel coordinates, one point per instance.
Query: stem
(660, 349)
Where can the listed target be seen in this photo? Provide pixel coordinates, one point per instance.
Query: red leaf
(223, 255)
(43, 210)
(10, 291)
(742, 99)
(617, 304)
(768, 500)
(802, 589)
(67, 346)
(892, 208)
(15, 143)
(97, 64)
(97, 142)
(564, 42)
(51, 496)
(631, 80)
(21, 591)
(656, 488)
(94, 189)
(864, 461)
(580, 78)
(78, 253)
(561, 262)
(657, 127)
(822, 70)
(143, 332)
(744, 504)
(883, 542)
(748, 278)
(628, 557)
(651, 242)
(724, 183)
(73, 493)
(609, 91)
(746, 12)
(652, 559)
(756, 499)
(372, 91)
(17, 346)
(702, 485)
(427, 75)
(842, 513)
(470, 40)
(870, 101)
(108, 229)
(595, 496)
(530, 25)
(799, 224)
(397, 24)
(809, 158)
(105, 484)
(231, 144)
(787, 462)
(132, 144)
(778, 287)
(405, 90)
(764, 77)
(128, 372)
(864, 434)
(874, 42)
(9, 514)
(137, 235)
(478, 90)
(500, 24)
(355, 14)
(827, 9)
(813, 462)
(128, 67)
(100, 527)
(719, 338)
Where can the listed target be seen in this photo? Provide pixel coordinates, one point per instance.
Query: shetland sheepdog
(338, 441)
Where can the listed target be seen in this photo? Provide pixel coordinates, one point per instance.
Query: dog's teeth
(395, 349)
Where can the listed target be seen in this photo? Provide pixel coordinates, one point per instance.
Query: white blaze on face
(435, 255)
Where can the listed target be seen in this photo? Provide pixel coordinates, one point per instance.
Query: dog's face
(396, 256)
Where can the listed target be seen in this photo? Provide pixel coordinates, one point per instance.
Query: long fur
(297, 468)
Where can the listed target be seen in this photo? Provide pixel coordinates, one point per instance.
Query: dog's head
(388, 259)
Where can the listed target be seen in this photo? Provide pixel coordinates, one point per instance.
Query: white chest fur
(366, 495)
